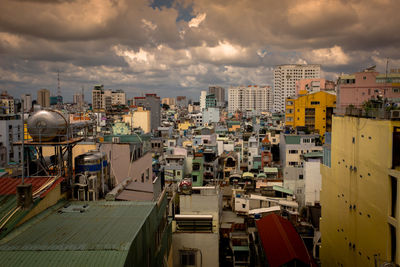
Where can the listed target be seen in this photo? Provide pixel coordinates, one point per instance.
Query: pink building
(357, 88)
(314, 85)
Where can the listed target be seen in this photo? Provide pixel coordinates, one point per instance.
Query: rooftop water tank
(46, 125)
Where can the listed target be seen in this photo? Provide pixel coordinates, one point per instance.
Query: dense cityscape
(199, 133)
(289, 175)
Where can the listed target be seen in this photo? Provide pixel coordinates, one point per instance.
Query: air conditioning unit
(395, 114)
(92, 182)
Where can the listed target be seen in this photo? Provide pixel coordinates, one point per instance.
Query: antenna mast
(59, 97)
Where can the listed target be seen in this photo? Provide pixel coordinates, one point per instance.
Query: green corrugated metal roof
(281, 189)
(101, 235)
(8, 203)
(292, 139)
(62, 258)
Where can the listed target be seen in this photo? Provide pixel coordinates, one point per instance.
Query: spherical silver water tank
(46, 125)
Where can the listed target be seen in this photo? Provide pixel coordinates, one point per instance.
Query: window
(299, 191)
(142, 177)
(393, 185)
(178, 173)
(194, 178)
(243, 206)
(301, 177)
(188, 258)
(293, 151)
(147, 174)
(393, 242)
(364, 77)
(314, 102)
(396, 90)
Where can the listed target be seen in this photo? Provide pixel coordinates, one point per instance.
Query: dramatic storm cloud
(181, 47)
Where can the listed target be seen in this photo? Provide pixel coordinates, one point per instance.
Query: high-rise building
(79, 99)
(219, 93)
(6, 103)
(203, 95)
(153, 103)
(43, 98)
(170, 101)
(98, 97)
(118, 97)
(285, 77)
(11, 132)
(27, 102)
(360, 223)
(105, 99)
(252, 97)
(211, 101)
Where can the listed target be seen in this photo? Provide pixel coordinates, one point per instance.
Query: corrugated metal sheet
(62, 258)
(280, 241)
(104, 226)
(8, 186)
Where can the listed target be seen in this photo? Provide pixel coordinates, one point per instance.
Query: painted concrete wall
(207, 243)
(312, 182)
(367, 145)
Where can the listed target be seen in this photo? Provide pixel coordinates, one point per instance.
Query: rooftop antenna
(59, 97)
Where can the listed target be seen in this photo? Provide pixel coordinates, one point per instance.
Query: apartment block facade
(252, 97)
(285, 78)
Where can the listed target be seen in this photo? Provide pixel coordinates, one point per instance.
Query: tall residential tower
(285, 77)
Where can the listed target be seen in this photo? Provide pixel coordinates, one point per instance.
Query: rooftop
(99, 233)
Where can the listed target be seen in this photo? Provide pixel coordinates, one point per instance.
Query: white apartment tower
(285, 77)
(27, 102)
(203, 95)
(252, 97)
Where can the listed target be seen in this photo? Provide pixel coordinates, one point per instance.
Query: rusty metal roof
(8, 186)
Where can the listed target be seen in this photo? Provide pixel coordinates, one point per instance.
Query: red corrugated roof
(8, 186)
(281, 243)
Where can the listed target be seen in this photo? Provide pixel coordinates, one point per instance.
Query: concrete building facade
(359, 87)
(219, 93)
(252, 97)
(313, 111)
(285, 77)
(43, 98)
(153, 103)
(360, 223)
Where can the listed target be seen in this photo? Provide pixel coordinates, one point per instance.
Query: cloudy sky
(179, 47)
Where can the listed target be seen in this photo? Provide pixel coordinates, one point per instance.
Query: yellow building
(360, 194)
(184, 125)
(311, 110)
(139, 119)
